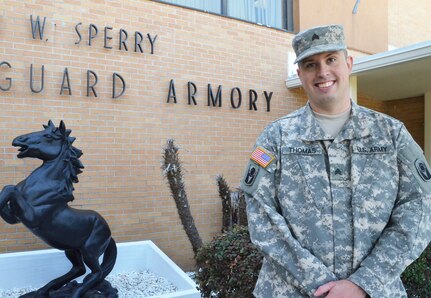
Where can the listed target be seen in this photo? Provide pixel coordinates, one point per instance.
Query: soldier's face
(325, 78)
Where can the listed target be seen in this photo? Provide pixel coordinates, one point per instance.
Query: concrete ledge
(36, 268)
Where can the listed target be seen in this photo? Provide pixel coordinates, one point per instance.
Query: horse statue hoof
(71, 290)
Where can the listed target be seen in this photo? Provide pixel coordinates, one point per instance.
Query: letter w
(35, 26)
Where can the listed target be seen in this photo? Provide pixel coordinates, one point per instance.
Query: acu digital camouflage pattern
(318, 40)
(360, 212)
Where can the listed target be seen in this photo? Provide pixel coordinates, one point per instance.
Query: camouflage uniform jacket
(358, 210)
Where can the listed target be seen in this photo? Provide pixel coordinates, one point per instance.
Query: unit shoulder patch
(422, 169)
(262, 157)
(251, 174)
(413, 157)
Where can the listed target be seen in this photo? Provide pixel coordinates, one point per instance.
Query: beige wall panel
(365, 31)
(409, 22)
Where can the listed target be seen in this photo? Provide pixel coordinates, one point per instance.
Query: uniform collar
(356, 127)
(310, 129)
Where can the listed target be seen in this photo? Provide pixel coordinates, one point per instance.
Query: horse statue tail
(109, 258)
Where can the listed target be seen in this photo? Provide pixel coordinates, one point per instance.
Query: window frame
(287, 6)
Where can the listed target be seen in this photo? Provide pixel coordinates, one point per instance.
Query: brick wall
(122, 138)
(410, 111)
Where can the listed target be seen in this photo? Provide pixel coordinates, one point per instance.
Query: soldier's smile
(325, 85)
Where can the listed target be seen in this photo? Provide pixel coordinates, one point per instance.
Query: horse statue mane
(71, 156)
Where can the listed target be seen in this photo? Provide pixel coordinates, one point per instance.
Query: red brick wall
(410, 111)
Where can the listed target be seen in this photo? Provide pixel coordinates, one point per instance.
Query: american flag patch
(262, 157)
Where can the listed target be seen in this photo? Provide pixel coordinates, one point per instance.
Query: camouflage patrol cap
(318, 40)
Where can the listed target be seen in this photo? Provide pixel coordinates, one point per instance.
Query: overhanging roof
(395, 74)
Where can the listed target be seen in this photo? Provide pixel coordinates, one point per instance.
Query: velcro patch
(413, 157)
(422, 169)
(261, 157)
(251, 174)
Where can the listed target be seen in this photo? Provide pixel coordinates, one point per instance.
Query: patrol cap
(318, 40)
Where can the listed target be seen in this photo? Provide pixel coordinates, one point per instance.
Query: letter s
(77, 32)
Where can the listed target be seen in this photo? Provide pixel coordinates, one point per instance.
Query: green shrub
(417, 277)
(229, 265)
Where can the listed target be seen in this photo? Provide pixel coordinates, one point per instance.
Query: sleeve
(269, 230)
(409, 229)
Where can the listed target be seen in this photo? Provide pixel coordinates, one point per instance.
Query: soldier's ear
(349, 61)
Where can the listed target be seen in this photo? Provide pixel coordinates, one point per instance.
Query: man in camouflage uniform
(337, 195)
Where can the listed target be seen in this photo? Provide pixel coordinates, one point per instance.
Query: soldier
(338, 196)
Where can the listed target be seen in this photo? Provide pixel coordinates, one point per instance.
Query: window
(272, 13)
(205, 5)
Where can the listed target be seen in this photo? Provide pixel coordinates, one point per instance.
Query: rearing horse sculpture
(40, 202)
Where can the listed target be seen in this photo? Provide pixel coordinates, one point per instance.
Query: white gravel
(140, 284)
(129, 285)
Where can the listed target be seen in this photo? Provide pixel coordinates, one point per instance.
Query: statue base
(103, 290)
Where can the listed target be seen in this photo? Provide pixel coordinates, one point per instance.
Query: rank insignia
(262, 157)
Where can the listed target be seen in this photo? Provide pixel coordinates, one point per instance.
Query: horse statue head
(52, 143)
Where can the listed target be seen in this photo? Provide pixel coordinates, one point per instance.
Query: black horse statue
(40, 202)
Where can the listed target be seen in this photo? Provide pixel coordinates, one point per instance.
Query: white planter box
(36, 268)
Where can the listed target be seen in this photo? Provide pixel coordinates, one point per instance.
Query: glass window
(205, 5)
(273, 13)
(265, 12)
